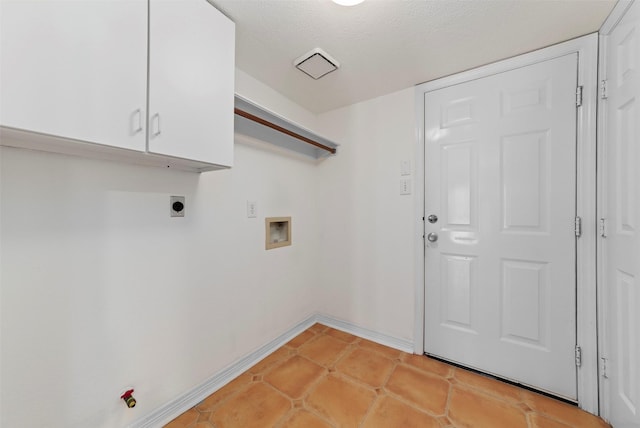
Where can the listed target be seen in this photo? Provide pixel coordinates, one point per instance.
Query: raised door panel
(191, 81)
(626, 117)
(524, 309)
(459, 196)
(626, 337)
(524, 176)
(75, 69)
(459, 281)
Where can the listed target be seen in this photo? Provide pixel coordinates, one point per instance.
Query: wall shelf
(259, 122)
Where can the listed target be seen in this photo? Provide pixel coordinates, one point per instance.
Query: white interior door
(500, 175)
(620, 206)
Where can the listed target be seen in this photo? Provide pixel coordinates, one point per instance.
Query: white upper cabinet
(152, 76)
(191, 81)
(75, 69)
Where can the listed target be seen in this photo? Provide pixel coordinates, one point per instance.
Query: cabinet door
(75, 69)
(191, 81)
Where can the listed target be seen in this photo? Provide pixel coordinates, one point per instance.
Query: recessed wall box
(278, 232)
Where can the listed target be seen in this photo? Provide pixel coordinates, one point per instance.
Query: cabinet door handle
(135, 129)
(155, 125)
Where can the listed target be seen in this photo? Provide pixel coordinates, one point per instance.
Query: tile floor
(326, 378)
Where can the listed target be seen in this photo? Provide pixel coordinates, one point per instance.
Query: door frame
(610, 24)
(586, 318)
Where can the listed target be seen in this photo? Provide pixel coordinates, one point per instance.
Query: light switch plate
(405, 186)
(405, 167)
(252, 209)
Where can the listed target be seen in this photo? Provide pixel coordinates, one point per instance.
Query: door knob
(432, 218)
(432, 237)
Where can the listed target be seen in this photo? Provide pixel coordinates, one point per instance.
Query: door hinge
(603, 89)
(578, 227)
(604, 368)
(579, 96)
(578, 356)
(603, 228)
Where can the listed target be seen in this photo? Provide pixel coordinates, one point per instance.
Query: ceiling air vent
(316, 63)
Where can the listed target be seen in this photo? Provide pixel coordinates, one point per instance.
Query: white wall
(101, 289)
(367, 243)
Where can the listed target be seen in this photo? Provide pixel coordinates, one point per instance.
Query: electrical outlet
(176, 206)
(252, 209)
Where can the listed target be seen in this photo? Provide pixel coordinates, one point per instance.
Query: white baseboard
(186, 401)
(374, 336)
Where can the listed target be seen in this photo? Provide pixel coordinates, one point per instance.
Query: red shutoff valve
(128, 399)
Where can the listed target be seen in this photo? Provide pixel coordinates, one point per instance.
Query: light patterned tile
(540, 421)
(294, 376)
(305, 419)
(389, 412)
(562, 412)
(325, 350)
(341, 402)
(335, 380)
(488, 385)
(185, 420)
(426, 364)
(369, 367)
(317, 328)
(301, 339)
(274, 358)
(226, 391)
(204, 416)
(472, 408)
(424, 390)
(257, 407)
(345, 337)
(381, 349)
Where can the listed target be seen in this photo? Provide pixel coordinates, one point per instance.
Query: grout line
(447, 404)
(370, 409)
(528, 416)
(318, 415)
(414, 406)
(396, 362)
(280, 422)
(343, 354)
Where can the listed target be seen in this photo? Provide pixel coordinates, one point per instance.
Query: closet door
(191, 81)
(620, 208)
(75, 69)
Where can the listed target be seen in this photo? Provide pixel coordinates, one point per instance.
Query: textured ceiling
(388, 45)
